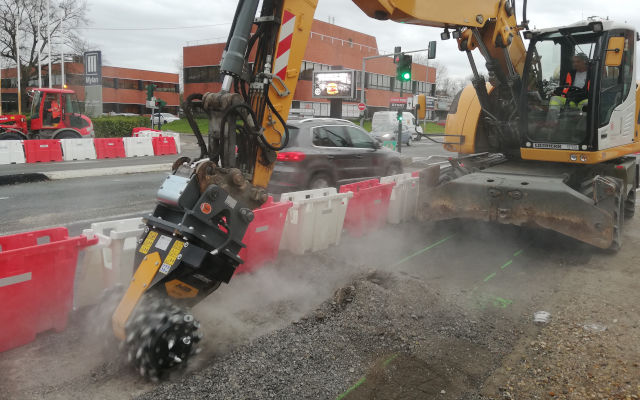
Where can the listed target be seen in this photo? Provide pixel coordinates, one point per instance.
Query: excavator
(532, 146)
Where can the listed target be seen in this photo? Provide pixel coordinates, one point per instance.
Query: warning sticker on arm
(146, 246)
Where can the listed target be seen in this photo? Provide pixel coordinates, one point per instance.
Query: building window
(108, 82)
(202, 74)
(306, 71)
(74, 79)
(127, 84)
(378, 81)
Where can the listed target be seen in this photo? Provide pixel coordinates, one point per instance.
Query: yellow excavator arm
(278, 45)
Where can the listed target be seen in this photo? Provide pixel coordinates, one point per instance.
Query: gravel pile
(375, 319)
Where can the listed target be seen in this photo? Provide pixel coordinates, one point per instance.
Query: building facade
(329, 47)
(123, 89)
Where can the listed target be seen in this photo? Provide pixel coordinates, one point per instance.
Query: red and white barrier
(36, 283)
(138, 146)
(77, 149)
(368, 209)
(11, 152)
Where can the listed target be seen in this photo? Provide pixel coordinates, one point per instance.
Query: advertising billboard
(333, 84)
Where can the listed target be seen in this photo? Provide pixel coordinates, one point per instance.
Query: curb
(22, 178)
(71, 174)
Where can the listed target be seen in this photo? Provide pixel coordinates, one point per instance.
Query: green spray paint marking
(489, 277)
(505, 265)
(495, 300)
(500, 302)
(364, 378)
(388, 360)
(352, 388)
(417, 253)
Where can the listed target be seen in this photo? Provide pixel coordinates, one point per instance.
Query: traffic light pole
(399, 140)
(362, 75)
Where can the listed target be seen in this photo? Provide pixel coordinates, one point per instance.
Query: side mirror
(377, 145)
(614, 52)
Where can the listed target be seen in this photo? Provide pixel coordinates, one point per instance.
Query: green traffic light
(406, 76)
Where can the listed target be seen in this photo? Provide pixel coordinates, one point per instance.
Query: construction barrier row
(48, 150)
(36, 283)
(39, 281)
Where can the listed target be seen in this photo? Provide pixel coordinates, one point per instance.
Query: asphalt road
(76, 203)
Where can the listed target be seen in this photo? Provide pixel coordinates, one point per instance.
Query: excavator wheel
(160, 337)
(618, 221)
(630, 205)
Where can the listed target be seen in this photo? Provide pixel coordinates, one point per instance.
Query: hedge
(118, 126)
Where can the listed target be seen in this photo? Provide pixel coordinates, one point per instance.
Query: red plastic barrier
(36, 283)
(42, 150)
(163, 145)
(368, 209)
(109, 147)
(263, 236)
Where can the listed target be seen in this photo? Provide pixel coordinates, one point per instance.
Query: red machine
(54, 115)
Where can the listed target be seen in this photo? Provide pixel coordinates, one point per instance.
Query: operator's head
(580, 62)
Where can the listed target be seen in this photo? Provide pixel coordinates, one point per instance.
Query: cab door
(617, 106)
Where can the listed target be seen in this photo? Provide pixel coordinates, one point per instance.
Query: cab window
(616, 81)
(35, 104)
(331, 136)
(559, 86)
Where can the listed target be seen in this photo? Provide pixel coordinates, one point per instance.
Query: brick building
(123, 89)
(329, 46)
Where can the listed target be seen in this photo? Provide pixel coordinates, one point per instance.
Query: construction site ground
(414, 311)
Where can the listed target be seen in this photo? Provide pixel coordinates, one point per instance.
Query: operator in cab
(575, 89)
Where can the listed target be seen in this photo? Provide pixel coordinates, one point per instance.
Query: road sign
(361, 106)
(92, 68)
(398, 103)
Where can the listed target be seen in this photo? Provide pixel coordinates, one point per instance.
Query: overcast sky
(156, 46)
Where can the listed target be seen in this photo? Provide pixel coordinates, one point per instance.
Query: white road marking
(3, 198)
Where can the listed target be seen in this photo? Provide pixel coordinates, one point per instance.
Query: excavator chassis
(583, 202)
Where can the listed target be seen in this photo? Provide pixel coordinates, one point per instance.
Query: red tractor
(54, 115)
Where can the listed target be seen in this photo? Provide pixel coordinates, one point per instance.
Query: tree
(19, 24)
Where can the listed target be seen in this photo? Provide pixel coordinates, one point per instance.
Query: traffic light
(150, 89)
(399, 115)
(397, 53)
(403, 70)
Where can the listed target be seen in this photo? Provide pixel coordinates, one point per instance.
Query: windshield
(558, 87)
(71, 104)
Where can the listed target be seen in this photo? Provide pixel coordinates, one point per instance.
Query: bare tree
(19, 24)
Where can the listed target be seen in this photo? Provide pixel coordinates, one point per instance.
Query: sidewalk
(36, 172)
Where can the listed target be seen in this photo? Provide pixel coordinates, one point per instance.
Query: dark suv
(325, 152)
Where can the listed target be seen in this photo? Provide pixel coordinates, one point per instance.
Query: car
(328, 152)
(165, 118)
(384, 126)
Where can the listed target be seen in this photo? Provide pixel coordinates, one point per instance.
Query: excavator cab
(576, 97)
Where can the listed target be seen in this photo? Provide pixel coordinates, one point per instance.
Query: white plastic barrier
(109, 262)
(315, 220)
(152, 133)
(138, 146)
(78, 149)
(11, 152)
(404, 197)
